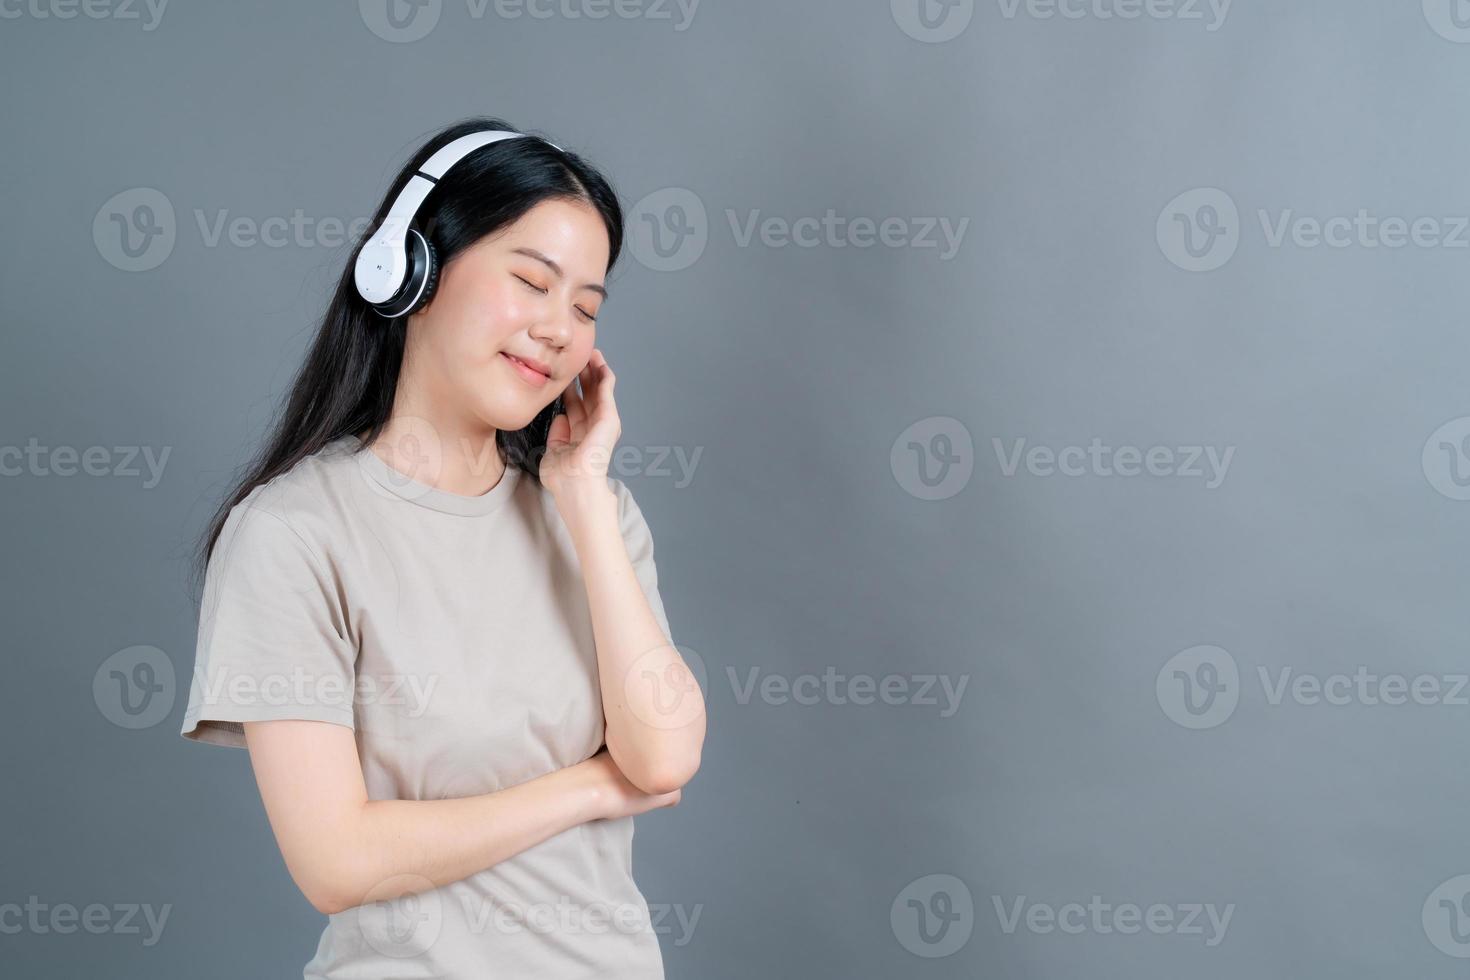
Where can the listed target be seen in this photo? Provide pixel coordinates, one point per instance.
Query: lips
(533, 371)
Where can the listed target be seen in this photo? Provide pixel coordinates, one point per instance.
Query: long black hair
(346, 384)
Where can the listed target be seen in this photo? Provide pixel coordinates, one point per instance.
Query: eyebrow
(557, 269)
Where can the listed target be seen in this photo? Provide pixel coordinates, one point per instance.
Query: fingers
(605, 372)
(599, 380)
(587, 377)
(576, 409)
(641, 802)
(588, 401)
(560, 431)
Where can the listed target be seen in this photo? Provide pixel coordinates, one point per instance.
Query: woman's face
(510, 324)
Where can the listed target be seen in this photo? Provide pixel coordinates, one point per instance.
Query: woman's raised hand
(580, 443)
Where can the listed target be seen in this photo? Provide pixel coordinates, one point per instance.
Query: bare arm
(654, 710)
(343, 849)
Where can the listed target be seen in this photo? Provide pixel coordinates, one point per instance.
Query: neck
(439, 447)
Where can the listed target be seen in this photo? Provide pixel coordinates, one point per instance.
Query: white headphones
(397, 269)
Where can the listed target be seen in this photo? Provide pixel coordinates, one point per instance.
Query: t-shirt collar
(385, 478)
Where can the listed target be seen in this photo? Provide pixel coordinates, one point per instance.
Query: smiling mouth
(526, 371)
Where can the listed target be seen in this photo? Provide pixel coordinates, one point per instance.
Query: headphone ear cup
(419, 282)
(431, 274)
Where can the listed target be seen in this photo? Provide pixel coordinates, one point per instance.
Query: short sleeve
(639, 541)
(273, 641)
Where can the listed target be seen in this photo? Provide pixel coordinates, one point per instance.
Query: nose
(555, 330)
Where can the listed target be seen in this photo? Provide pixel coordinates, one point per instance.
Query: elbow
(325, 897)
(667, 775)
(330, 902)
(328, 887)
(326, 904)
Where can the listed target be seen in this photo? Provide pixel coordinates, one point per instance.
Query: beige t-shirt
(453, 635)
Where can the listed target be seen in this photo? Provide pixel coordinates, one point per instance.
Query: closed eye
(543, 291)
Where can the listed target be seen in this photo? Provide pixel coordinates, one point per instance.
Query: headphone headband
(382, 271)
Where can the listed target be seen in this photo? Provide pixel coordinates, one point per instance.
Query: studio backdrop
(1051, 416)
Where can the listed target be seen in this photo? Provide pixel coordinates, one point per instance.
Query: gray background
(1334, 832)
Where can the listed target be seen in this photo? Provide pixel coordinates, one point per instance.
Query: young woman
(431, 616)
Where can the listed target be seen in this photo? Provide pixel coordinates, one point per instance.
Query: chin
(512, 419)
(497, 409)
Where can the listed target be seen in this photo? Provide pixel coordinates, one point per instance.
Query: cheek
(488, 326)
(582, 343)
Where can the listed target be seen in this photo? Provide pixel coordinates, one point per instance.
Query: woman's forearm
(344, 849)
(654, 711)
(402, 844)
